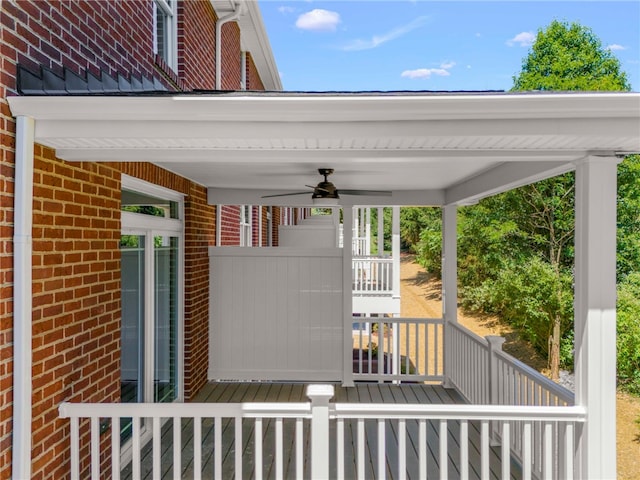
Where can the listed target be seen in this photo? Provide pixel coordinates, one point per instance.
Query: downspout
(22, 303)
(239, 10)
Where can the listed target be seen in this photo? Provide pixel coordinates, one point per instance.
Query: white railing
(484, 374)
(397, 349)
(208, 421)
(369, 439)
(372, 275)
(405, 432)
(359, 245)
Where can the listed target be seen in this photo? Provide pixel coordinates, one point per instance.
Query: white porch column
(22, 302)
(347, 296)
(380, 239)
(449, 280)
(595, 316)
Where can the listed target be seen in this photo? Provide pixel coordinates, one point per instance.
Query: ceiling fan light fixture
(325, 201)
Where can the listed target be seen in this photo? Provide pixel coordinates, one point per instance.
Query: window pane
(166, 321)
(132, 330)
(161, 34)
(147, 205)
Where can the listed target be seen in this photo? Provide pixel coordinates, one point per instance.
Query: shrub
(628, 329)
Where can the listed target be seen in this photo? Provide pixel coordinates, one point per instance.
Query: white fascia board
(502, 178)
(231, 196)
(304, 108)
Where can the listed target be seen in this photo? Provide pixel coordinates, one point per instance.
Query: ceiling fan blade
(373, 193)
(286, 194)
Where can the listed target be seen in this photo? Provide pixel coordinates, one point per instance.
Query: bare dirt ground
(421, 299)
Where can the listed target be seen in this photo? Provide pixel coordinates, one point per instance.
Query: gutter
(234, 15)
(22, 301)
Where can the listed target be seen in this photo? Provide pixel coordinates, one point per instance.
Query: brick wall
(231, 57)
(76, 257)
(196, 44)
(229, 225)
(6, 287)
(254, 82)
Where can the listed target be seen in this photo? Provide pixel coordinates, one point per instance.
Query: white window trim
(172, 31)
(246, 226)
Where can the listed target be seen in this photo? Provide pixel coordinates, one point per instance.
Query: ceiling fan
(326, 192)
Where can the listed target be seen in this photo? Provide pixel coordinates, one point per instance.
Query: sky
(351, 45)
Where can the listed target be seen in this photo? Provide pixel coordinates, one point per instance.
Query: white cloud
(425, 73)
(318, 20)
(285, 10)
(443, 71)
(615, 46)
(523, 39)
(378, 40)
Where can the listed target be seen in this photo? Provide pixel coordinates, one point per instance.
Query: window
(151, 247)
(245, 226)
(165, 31)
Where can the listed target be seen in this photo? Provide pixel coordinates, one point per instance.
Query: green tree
(569, 57)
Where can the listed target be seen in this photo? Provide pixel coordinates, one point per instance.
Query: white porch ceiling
(426, 148)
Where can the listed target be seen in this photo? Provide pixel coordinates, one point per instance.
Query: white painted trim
(22, 298)
(142, 186)
(276, 252)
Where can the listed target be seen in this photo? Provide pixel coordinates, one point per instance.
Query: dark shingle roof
(47, 82)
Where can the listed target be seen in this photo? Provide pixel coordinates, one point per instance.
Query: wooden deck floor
(364, 393)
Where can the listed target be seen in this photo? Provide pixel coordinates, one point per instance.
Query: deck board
(295, 392)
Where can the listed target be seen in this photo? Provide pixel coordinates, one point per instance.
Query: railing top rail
(458, 412)
(186, 410)
(469, 333)
(434, 321)
(373, 258)
(555, 389)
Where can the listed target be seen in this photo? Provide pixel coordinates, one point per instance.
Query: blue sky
(430, 45)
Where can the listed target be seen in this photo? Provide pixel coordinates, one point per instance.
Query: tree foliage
(570, 57)
(516, 249)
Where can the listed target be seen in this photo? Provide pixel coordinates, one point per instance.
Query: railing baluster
(135, 447)
(197, 448)
(74, 423)
(464, 450)
(547, 451)
(569, 432)
(526, 451)
(422, 448)
(279, 449)
(299, 449)
(484, 446)
(402, 449)
(340, 449)
(238, 447)
(361, 446)
(156, 436)
(177, 448)
(115, 448)
(382, 449)
(217, 447)
(444, 456)
(258, 449)
(95, 448)
(506, 450)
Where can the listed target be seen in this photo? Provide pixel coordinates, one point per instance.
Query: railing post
(320, 396)
(495, 344)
